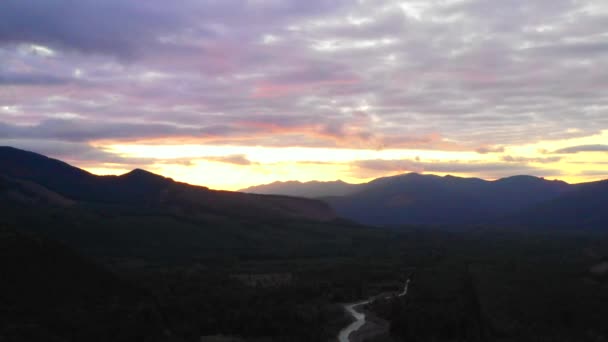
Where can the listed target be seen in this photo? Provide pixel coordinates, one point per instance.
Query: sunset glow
(229, 94)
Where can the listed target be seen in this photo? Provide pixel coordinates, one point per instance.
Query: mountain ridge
(141, 187)
(311, 189)
(406, 199)
(143, 216)
(420, 199)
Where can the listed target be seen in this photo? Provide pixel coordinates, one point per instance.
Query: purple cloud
(512, 159)
(467, 76)
(491, 149)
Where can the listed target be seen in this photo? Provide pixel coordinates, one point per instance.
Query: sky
(234, 93)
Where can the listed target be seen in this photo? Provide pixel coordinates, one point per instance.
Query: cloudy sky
(231, 93)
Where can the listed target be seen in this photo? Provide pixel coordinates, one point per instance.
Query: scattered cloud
(88, 130)
(31, 79)
(237, 159)
(492, 170)
(81, 153)
(415, 76)
(582, 148)
(492, 149)
(595, 173)
(548, 160)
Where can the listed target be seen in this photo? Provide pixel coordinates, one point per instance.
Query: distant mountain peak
(144, 176)
(411, 174)
(140, 173)
(414, 198)
(312, 189)
(31, 165)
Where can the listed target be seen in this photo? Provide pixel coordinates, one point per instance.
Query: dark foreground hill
(50, 293)
(142, 188)
(141, 215)
(268, 268)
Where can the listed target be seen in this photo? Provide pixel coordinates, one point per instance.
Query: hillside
(193, 250)
(50, 293)
(143, 216)
(25, 192)
(140, 257)
(142, 188)
(584, 208)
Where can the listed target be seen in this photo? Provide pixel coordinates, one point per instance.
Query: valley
(200, 263)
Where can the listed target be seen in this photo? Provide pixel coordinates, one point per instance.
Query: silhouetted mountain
(143, 215)
(583, 208)
(142, 188)
(267, 267)
(189, 247)
(51, 173)
(428, 199)
(312, 189)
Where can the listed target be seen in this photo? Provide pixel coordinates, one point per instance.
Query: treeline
(306, 307)
(507, 286)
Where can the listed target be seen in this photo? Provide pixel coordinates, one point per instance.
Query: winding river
(359, 317)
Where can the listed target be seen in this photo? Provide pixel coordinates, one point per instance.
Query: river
(359, 317)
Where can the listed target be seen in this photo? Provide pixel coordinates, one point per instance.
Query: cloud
(127, 29)
(31, 79)
(468, 76)
(83, 154)
(548, 160)
(272, 131)
(582, 148)
(87, 130)
(491, 149)
(390, 165)
(109, 27)
(595, 173)
(485, 169)
(237, 159)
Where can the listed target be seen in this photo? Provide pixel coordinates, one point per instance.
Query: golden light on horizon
(237, 167)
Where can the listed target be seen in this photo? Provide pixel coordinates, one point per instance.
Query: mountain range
(30, 179)
(141, 257)
(143, 188)
(416, 199)
(312, 189)
(141, 215)
(148, 257)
